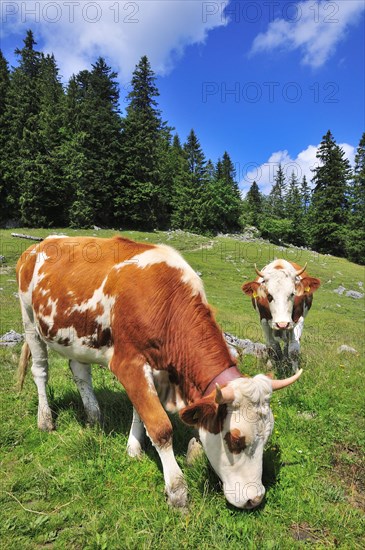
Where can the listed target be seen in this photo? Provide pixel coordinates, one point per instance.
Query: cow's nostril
(252, 503)
(282, 325)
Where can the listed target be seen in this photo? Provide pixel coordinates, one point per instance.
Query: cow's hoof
(195, 450)
(93, 418)
(177, 494)
(134, 449)
(45, 422)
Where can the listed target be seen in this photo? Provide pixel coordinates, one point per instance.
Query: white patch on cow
(250, 414)
(136, 436)
(98, 299)
(165, 254)
(279, 281)
(48, 319)
(149, 378)
(78, 349)
(175, 486)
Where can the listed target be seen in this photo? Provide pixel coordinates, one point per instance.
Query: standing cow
(137, 309)
(282, 294)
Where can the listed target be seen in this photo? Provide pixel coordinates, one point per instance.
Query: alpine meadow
(76, 487)
(79, 160)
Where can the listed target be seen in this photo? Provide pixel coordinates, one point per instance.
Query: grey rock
(2, 259)
(340, 290)
(246, 346)
(346, 349)
(354, 294)
(11, 338)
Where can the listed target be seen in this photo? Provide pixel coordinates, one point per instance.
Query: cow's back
(62, 284)
(82, 292)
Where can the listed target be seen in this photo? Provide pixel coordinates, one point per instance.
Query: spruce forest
(70, 157)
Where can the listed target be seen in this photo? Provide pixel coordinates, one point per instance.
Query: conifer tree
(254, 201)
(4, 136)
(277, 194)
(21, 125)
(137, 200)
(329, 208)
(223, 202)
(180, 175)
(305, 194)
(93, 148)
(190, 192)
(294, 210)
(355, 237)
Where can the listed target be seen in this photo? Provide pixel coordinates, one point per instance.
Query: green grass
(77, 488)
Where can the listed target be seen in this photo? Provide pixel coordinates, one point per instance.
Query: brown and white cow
(140, 309)
(282, 294)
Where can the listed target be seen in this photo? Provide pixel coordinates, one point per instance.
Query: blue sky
(263, 79)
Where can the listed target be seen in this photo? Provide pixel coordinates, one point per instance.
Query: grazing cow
(141, 310)
(282, 294)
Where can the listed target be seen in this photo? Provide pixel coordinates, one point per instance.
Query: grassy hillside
(77, 488)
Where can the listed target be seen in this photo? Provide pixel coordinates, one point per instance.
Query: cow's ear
(251, 289)
(205, 413)
(308, 285)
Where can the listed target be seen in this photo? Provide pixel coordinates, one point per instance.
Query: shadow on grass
(116, 410)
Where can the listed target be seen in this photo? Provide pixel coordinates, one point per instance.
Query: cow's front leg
(136, 436)
(273, 347)
(138, 383)
(293, 351)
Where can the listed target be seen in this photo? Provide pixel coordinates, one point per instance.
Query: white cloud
(121, 31)
(302, 165)
(315, 29)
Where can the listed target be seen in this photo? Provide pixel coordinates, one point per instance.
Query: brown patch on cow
(103, 338)
(64, 342)
(206, 414)
(279, 265)
(235, 442)
(298, 308)
(262, 304)
(44, 328)
(308, 285)
(251, 288)
(46, 310)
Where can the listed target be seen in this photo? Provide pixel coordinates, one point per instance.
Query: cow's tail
(23, 365)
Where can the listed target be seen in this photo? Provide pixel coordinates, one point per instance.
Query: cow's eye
(270, 298)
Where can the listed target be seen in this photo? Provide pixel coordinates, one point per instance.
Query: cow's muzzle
(253, 503)
(283, 326)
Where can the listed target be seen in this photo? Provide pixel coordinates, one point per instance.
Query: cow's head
(279, 284)
(234, 425)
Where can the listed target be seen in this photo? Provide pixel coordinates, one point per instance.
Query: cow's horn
(301, 270)
(225, 395)
(259, 273)
(279, 384)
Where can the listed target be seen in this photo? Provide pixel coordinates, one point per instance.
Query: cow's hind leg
(39, 370)
(82, 376)
(136, 436)
(137, 379)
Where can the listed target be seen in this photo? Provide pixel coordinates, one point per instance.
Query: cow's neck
(199, 355)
